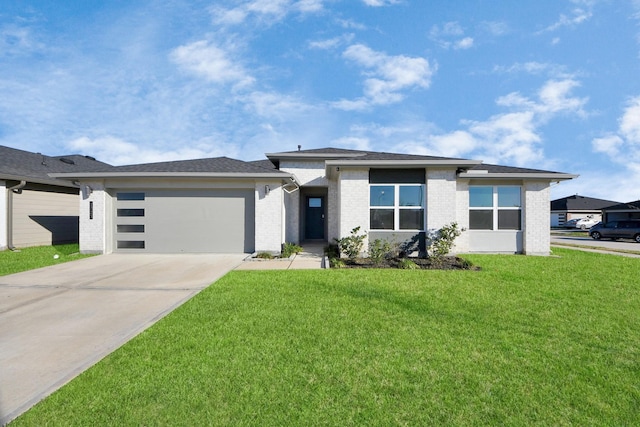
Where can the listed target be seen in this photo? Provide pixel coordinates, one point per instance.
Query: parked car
(571, 223)
(588, 222)
(628, 229)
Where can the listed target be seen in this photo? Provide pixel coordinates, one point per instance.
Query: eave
(551, 176)
(220, 175)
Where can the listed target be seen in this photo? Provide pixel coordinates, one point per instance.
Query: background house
(576, 207)
(622, 211)
(36, 209)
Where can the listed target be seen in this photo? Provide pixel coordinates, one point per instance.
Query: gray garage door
(191, 221)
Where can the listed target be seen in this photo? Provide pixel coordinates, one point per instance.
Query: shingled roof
(23, 165)
(624, 206)
(580, 203)
(210, 165)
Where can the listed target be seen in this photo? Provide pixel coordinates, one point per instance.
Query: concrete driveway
(58, 321)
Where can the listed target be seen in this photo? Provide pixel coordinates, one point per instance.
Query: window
(495, 208)
(396, 207)
(130, 196)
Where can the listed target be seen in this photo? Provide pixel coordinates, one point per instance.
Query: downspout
(17, 189)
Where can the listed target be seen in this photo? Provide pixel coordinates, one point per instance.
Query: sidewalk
(311, 258)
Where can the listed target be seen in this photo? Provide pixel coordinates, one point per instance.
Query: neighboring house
(621, 211)
(36, 209)
(226, 205)
(577, 207)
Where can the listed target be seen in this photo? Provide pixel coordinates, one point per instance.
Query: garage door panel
(191, 221)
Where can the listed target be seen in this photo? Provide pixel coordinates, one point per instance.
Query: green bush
(407, 264)
(352, 245)
(379, 250)
(441, 241)
(289, 249)
(265, 255)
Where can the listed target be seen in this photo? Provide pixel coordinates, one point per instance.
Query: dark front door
(314, 218)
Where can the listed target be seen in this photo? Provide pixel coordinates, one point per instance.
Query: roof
(631, 206)
(20, 165)
(216, 167)
(489, 171)
(336, 157)
(357, 155)
(580, 203)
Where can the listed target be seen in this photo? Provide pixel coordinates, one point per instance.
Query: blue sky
(547, 84)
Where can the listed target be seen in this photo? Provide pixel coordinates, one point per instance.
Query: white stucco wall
(537, 210)
(309, 173)
(269, 217)
(93, 238)
(3, 215)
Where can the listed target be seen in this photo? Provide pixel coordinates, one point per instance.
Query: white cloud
(353, 142)
(116, 151)
(610, 145)
(265, 11)
(379, 3)
(210, 62)
(450, 35)
(513, 137)
(578, 15)
(332, 43)
(622, 148)
(387, 76)
(465, 43)
(495, 28)
(630, 121)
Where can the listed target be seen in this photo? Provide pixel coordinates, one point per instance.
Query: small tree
(352, 245)
(441, 241)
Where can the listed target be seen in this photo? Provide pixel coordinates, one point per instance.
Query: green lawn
(36, 257)
(527, 340)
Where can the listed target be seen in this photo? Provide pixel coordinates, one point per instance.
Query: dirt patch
(445, 263)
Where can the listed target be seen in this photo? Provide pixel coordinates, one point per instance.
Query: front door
(314, 218)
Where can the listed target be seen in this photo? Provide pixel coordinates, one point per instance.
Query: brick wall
(3, 215)
(462, 216)
(441, 198)
(269, 217)
(537, 239)
(354, 201)
(93, 231)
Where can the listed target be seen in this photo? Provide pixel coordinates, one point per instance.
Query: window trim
(396, 207)
(496, 208)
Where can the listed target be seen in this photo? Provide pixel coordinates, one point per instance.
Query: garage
(184, 221)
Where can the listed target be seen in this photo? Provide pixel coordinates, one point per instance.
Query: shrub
(441, 241)
(265, 255)
(337, 263)
(332, 251)
(289, 249)
(407, 264)
(379, 250)
(352, 245)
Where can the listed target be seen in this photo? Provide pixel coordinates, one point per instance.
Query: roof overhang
(221, 175)
(334, 165)
(311, 156)
(545, 176)
(44, 181)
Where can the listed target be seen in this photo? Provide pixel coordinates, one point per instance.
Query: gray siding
(45, 217)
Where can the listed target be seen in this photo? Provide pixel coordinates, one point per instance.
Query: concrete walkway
(312, 257)
(56, 322)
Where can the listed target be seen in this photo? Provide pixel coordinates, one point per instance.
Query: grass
(526, 340)
(36, 257)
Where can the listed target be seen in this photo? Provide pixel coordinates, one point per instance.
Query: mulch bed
(446, 263)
